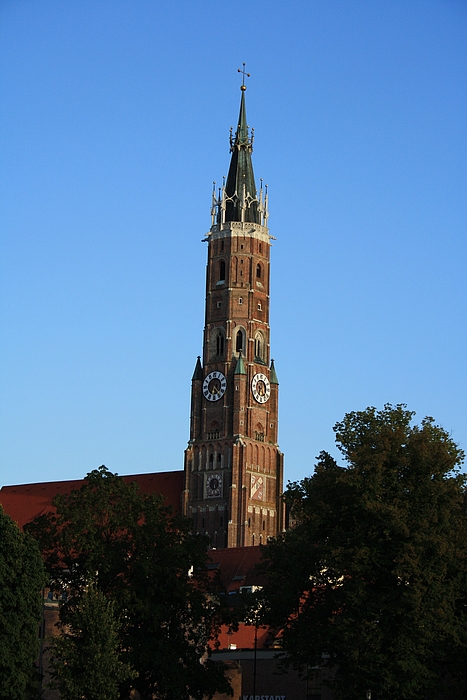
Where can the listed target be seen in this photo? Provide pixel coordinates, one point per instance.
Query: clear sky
(114, 122)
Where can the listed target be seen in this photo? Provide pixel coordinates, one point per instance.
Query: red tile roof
(244, 638)
(237, 568)
(27, 501)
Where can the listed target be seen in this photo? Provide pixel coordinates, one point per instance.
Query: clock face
(261, 388)
(213, 485)
(214, 386)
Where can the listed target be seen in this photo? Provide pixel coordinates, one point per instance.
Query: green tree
(374, 574)
(21, 582)
(142, 557)
(85, 659)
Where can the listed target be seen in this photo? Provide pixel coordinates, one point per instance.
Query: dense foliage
(143, 558)
(85, 656)
(374, 574)
(21, 582)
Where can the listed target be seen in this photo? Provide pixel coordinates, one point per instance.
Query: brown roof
(27, 501)
(236, 566)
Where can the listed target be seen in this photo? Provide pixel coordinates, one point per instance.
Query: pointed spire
(273, 376)
(240, 189)
(241, 135)
(240, 366)
(198, 373)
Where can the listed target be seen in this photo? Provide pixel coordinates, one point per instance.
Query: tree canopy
(21, 582)
(373, 576)
(127, 545)
(85, 655)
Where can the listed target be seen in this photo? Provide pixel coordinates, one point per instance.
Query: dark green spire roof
(240, 366)
(198, 373)
(273, 376)
(241, 180)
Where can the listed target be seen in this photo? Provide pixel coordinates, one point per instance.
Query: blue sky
(114, 122)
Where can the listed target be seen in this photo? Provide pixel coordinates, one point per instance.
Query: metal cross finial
(244, 73)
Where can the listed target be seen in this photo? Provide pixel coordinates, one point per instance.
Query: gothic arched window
(258, 271)
(217, 343)
(239, 341)
(259, 347)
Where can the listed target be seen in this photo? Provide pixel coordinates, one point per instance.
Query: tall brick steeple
(233, 465)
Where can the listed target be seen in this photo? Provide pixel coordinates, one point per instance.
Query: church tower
(233, 465)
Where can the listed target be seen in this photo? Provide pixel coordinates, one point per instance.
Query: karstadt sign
(264, 697)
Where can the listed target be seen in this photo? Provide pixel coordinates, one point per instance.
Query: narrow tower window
(217, 343)
(258, 270)
(220, 343)
(239, 341)
(259, 346)
(221, 271)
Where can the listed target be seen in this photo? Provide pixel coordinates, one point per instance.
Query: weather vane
(244, 73)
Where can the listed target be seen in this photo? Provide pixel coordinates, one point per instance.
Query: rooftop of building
(25, 502)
